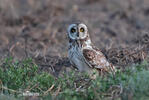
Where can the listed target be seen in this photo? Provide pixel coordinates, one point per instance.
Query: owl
(82, 53)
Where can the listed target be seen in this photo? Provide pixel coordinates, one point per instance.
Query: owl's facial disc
(72, 31)
(82, 28)
(77, 31)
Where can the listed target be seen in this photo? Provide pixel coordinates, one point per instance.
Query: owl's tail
(108, 70)
(111, 69)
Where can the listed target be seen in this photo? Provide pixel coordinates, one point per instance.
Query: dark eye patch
(82, 29)
(73, 30)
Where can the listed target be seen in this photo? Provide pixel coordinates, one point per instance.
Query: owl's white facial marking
(83, 31)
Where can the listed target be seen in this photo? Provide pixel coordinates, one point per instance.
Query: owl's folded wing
(95, 58)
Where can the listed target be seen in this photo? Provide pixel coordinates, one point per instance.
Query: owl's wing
(95, 58)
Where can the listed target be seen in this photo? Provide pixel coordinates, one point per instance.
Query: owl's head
(77, 31)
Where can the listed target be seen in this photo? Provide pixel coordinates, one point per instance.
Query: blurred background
(33, 28)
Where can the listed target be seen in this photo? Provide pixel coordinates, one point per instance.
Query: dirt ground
(37, 29)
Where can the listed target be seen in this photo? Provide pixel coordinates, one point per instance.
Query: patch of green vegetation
(21, 76)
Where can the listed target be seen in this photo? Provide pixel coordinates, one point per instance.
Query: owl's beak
(78, 35)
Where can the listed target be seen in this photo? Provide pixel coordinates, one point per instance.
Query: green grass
(20, 76)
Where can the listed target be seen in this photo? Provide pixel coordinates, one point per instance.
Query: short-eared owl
(82, 54)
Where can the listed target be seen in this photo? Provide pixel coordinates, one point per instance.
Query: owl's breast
(76, 59)
(74, 53)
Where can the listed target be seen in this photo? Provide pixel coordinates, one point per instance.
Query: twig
(33, 87)
(40, 89)
(58, 90)
(5, 88)
(49, 89)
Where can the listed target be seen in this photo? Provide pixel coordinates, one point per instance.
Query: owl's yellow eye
(82, 29)
(73, 30)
